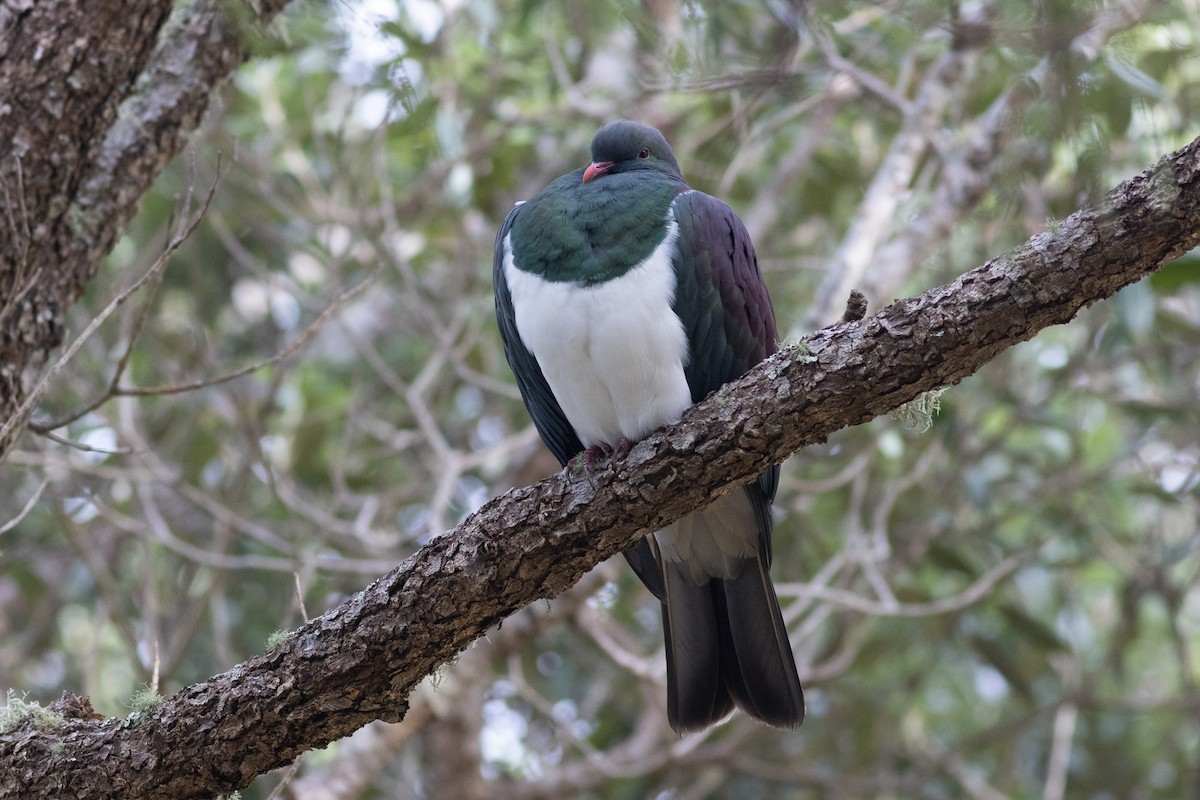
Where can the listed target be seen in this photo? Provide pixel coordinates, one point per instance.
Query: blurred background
(1003, 605)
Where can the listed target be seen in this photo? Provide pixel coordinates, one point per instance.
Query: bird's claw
(593, 453)
(622, 449)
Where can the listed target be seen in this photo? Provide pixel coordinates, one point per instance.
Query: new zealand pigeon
(624, 296)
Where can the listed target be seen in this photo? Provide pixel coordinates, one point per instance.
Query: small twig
(29, 504)
(155, 665)
(133, 391)
(183, 232)
(300, 597)
(24, 209)
(969, 596)
(282, 355)
(86, 448)
(867, 80)
(1058, 760)
(21, 237)
(286, 779)
(25, 289)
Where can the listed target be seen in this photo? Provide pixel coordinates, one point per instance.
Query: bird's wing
(722, 301)
(719, 294)
(547, 414)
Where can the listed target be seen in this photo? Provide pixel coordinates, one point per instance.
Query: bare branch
(25, 509)
(890, 608)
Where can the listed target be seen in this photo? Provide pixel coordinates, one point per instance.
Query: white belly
(614, 353)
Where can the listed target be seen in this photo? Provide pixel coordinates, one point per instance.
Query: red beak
(596, 169)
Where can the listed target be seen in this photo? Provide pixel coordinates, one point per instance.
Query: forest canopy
(992, 596)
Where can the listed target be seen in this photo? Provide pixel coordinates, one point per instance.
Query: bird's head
(625, 146)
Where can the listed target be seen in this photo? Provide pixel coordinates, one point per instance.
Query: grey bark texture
(360, 661)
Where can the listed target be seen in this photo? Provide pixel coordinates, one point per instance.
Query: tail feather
(697, 694)
(726, 642)
(761, 676)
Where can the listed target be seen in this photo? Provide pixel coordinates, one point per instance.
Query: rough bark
(96, 97)
(360, 661)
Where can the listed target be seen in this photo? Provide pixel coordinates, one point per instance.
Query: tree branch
(360, 661)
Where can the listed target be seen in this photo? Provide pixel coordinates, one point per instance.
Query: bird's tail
(726, 644)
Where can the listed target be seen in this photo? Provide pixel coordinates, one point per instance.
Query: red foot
(591, 454)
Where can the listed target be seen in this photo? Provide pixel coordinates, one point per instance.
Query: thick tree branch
(96, 97)
(360, 661)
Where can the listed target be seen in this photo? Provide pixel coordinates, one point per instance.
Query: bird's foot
(622, 449)
(593, 453)
(588, 459)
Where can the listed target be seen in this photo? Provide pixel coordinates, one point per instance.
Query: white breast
(613, 353)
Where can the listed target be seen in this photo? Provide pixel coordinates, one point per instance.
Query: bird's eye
(645, 153)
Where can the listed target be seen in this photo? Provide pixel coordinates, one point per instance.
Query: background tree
(1001, 606)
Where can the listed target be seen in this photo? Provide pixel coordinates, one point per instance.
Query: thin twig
(282, 355)
(29, 504)
(86, 448)
(182, 234)
(300, 597)
(972, 594)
